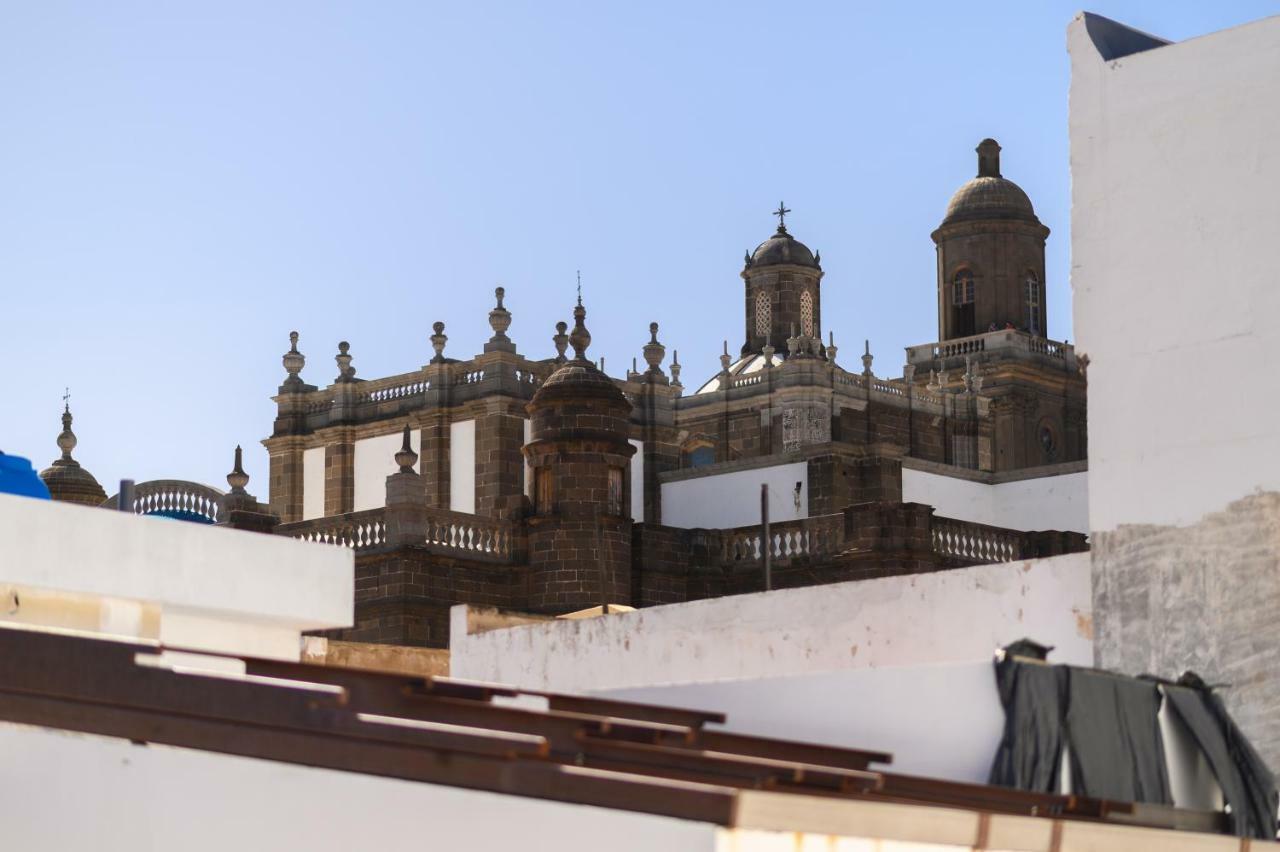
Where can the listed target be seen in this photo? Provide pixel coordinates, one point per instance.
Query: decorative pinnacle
(346, 372)
(579, 338)
(579, 286)
(654, 352)
(867, 358)
(237, 478)
(675, 369)
(67, 438)
(988, 158)
(406, 457)
(499, 319)
(561, 341)
(831, 346)
(767, 351)
(293, 361)
(781, 213)
(438, 340)
(725, 359)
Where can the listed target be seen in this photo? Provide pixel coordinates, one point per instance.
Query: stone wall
(1201, 597)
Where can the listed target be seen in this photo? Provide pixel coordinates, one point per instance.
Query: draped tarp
(1113, 728)
(1247, 785)
(1030, 751)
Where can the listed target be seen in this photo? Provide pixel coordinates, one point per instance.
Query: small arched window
(698, 451)
(962, 313)
(764, 313)
(1032, 296)
(806, 313)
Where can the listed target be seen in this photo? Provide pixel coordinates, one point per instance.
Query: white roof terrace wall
(183, 584)
(1020, 501)
(955, 616)
(1175, 175)
(727, 500)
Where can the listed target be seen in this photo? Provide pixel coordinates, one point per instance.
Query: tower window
(544, 495)
(962, 293)
(764, 314)
(1033, 304)
(615, 491)
(806, 313)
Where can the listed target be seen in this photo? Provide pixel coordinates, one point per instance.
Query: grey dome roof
(987, 197)
(782, 248)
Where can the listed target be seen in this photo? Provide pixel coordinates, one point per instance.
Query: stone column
(339, 473)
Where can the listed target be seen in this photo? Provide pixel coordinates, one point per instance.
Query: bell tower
(990, 256)
(783, 291)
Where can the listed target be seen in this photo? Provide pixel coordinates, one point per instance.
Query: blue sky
(182, 184)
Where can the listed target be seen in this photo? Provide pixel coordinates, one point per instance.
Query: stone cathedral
(533, 481)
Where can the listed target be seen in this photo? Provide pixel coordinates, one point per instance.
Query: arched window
(1034, 316)
(764, 313)
(962, 293)
(698, 451)
(806, 313)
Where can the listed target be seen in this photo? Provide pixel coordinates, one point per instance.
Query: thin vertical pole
(767, 542)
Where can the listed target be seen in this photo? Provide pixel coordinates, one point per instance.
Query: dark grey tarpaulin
(1030, 749)
(1113, 729)
(1247, 785)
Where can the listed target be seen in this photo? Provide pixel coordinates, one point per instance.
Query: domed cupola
(783, 296)
(580, 458)
(990, 256)
(66, 480)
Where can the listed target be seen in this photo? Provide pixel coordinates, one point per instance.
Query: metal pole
(126, 496)
(767, 542)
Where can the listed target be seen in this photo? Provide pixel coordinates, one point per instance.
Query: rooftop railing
(1004, 341)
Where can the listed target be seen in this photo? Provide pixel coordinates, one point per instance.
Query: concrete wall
(75, 791)
(637, 481)
(1174, 176)
(942, 721)
(1175, 172)
(375, 460)
(1044, 503)
(947, 617)
(733, 499)
(462, 466)
(186, 585)
(313, 483)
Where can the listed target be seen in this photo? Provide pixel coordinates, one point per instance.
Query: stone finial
(767, 351)
(237, 478)
(405, 456)
(831, 346)
(908, 373)
(817, 258)
(66, 438)
(346, 372)
(293, 361)
(933, 381)
(499, 319)
(725, 360)
(579, 338)
(746, 258)
(561, 341)
(675, 369)
(968, 375)
(438, 340)
(867, 358)
(988, 158)
(793, 343)
(654, 351)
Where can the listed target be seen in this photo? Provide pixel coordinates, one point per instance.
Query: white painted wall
(313, 483)
(733, 499)
(528, 469)
(945, 617)
(76, 791)
(637, 482)
(375, 460)
(1045, 503)
(1174, 176)
(462, 466)
(187, 585)
(942, 721)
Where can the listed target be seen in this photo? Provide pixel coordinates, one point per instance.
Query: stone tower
(783, 295)
(580, 532)
(990, 256)
(66, 480)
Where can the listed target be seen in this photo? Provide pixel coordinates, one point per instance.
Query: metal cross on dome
(781, 213)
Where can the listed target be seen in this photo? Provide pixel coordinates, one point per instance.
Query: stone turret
(580, 532)
(783, 291)
(66, 480)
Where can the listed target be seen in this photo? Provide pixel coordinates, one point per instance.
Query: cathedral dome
(782, 248)
(989, 196)
(66, 480)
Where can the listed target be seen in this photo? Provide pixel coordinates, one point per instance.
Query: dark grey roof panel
(1115, 41)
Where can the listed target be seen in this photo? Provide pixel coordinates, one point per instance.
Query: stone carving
(804, 426)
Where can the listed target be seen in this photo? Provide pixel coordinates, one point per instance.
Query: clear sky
(182, 184)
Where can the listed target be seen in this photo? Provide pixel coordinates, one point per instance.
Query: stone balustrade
(1010, 342)
(175, 498)
(357, 530)
(447, 533)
